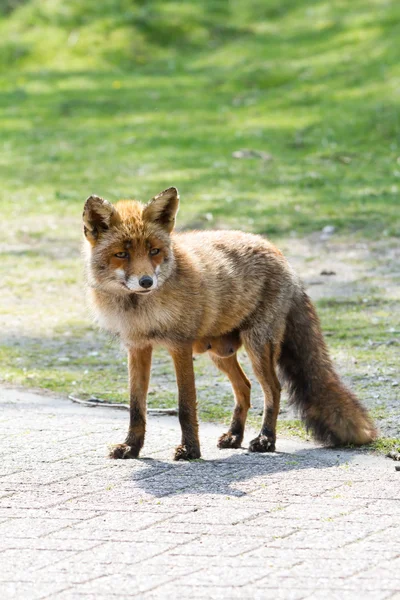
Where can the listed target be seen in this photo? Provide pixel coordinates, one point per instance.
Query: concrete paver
(304, 522)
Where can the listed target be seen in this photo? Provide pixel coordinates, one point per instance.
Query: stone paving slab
(305, 522)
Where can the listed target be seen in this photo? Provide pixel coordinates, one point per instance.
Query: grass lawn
(124, 99)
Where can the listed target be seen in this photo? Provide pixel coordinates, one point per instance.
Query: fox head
(129, 244)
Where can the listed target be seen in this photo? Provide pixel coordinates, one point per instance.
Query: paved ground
(302, 523)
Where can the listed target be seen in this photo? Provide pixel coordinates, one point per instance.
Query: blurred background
(279, 117)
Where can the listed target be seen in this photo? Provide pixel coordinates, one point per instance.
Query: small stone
(246, 153)
(327, 272)
(393, 455)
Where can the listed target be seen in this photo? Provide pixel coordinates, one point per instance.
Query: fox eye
(154, 251)
(121, 255)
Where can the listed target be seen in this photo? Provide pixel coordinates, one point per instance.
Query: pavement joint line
(176, 578)
(87, 520)
(65, 479)
(365, 537)
(65, 501)
(72, 586)
(13, 473)
(249, 519)
(75, 553)
(52, 594)
(276, 572)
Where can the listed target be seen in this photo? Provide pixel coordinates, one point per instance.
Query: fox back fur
(212, 291)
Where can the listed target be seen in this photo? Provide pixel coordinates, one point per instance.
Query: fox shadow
(235, 475)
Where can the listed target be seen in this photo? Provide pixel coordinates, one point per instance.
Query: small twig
(93, 402)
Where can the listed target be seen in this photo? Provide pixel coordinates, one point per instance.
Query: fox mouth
(139, 292)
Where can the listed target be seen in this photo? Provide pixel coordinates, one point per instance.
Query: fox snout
(146, 282)
(139, 284)
(142, 284)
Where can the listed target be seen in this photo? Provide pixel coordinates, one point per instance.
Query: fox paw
(183, 452)
(230, 440)
(262, 443)
(124, 451)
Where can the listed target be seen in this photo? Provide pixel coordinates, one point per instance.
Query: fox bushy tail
(328, 408)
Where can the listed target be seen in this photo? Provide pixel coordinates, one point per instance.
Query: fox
(212, 291)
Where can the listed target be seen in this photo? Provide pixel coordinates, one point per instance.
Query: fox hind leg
(241, 389)
(263, 359)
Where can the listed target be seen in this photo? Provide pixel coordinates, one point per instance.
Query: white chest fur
(135, 323)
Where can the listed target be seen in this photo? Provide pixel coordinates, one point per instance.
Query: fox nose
(146, 281)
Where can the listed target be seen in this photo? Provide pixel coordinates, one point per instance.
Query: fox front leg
(190, 445)
(139, 363)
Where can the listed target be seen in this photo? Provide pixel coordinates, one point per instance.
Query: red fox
(212, 291)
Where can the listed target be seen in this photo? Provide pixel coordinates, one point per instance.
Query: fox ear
(98, 216)
(162, 209)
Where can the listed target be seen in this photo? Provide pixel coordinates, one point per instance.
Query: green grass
(385, 445)
(124, 98)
